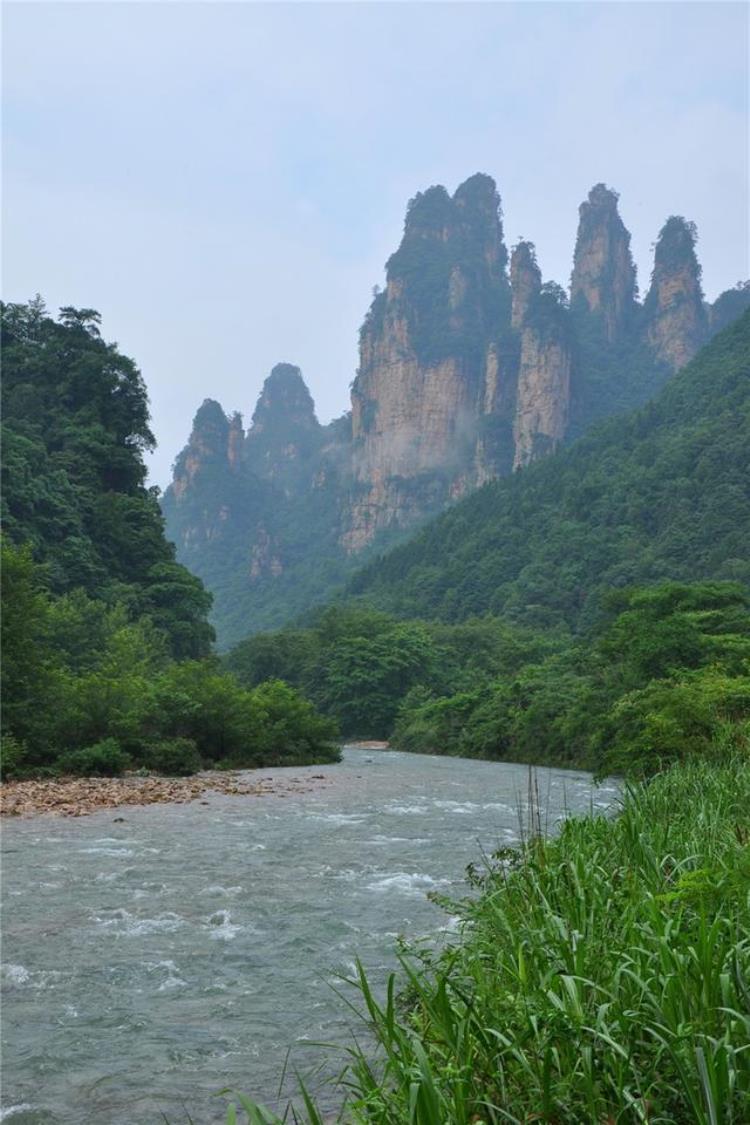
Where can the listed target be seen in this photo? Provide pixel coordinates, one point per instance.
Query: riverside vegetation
(106, 646)
(603, 975)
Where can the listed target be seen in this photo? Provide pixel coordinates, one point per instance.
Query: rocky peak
(429, 215)
(525, 281)
(207, 445)
(477, 205)
(603, 281)
(285, 433)
(447, 286)
(210, 429)
(424, 348)
(285, 403)
(676, 317)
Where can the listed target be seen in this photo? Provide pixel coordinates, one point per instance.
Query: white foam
(12, 1110)
(122, 922)
(409, 810)
(463, 808)
(405, 882)
(339, 819)
(173, 979)
(377, 840)
(16, 974)
(222, 927)
(217, 889)
(118, 853)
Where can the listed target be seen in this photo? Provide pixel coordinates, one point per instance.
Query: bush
(11, 756)
(104, 759)
(175, 757)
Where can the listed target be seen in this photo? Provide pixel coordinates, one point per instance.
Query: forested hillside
(591, 610)
(661, 493)
(106, 643)
(75, 427)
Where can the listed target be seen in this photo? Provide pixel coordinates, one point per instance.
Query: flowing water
(149, 962)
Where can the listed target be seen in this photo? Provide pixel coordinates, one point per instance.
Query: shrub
(175, 757)
(11, 756)
(104, 759)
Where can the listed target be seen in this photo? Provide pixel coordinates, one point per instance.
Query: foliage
(105, 637)
(88, 690)
(358, 665)
(660, 682)
(103, 759)
(75, 427)
(175, 757)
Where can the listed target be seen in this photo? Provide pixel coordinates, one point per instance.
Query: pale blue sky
(225, 181)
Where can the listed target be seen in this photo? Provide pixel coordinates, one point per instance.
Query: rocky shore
(78, 796)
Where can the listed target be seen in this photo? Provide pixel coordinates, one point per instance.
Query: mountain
(661, 493)
(471, 367)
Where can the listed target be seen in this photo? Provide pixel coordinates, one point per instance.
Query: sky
(225, 181)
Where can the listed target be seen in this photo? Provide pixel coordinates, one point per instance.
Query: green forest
(660, 493)
(107, 659)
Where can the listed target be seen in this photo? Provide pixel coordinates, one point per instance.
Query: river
(150, 961)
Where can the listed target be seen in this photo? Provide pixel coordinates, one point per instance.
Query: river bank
(80, 796)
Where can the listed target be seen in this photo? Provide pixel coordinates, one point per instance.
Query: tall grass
(603, 977)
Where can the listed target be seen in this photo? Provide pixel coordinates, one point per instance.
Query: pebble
(78, 796)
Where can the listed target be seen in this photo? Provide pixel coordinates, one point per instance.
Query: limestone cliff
(205, 457)
(676, 318)
(603, 279)
(543, 397)
(285, 436)
(525, 282)
(424, 351)
(208, 445)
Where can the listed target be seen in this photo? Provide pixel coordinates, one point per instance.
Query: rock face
(543, 397)
(424, 355)
(466, 372)
(208, 444)
(603, 278)
(285, 435)
(676, 318)
(525, 282)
